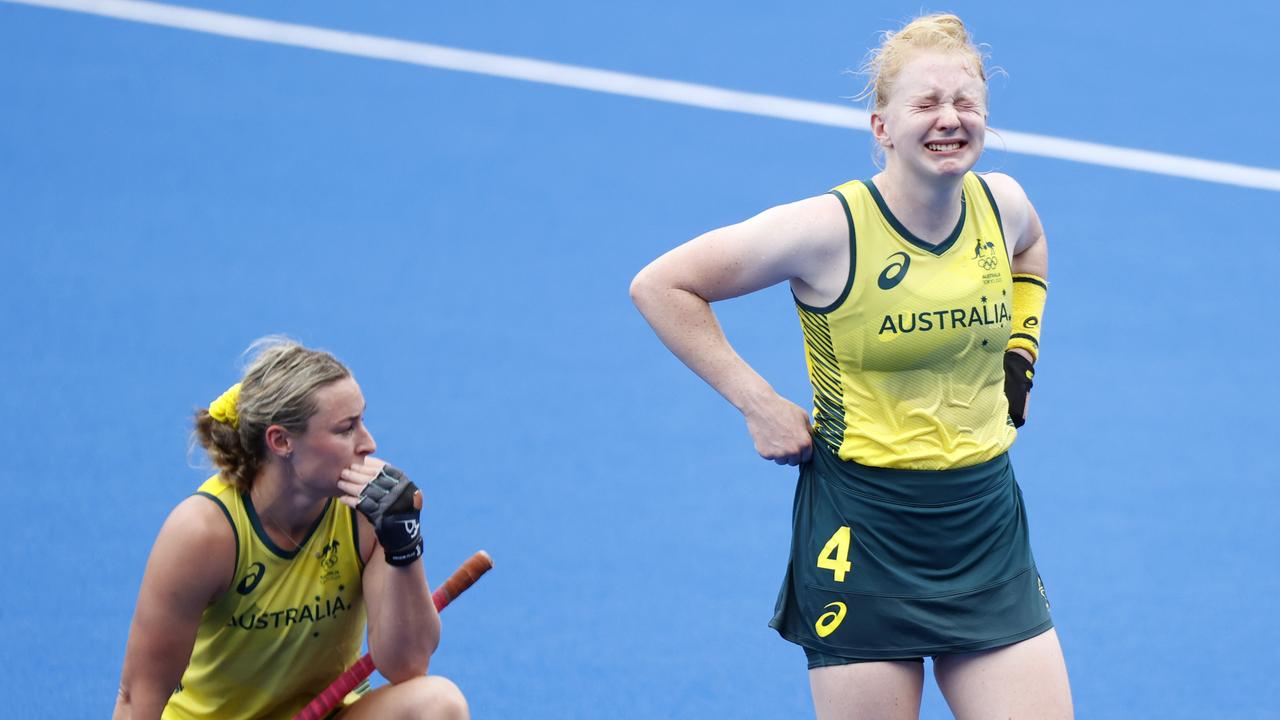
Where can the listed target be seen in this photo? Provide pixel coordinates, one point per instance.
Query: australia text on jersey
(986, 314)
(312, 612)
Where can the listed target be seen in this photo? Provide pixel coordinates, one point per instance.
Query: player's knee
(437, 698)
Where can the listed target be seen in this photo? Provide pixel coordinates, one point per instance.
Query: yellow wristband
(1028, 307)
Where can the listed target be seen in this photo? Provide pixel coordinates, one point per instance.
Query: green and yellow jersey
(906, 364)
(291, 622)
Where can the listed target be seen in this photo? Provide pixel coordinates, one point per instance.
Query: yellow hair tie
(224, 408)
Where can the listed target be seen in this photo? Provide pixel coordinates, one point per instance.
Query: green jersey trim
(266, 539)
(906, 234)
(994, 209)
(355, 537)
(235, 535)
(853, 263)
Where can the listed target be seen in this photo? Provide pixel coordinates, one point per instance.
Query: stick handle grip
(464, 577)
(338, 689)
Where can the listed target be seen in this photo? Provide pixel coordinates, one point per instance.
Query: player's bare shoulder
(1010, 198)
(816, 226)
(821, 246)
(197, 539)
(1016, 213)
(795, 240)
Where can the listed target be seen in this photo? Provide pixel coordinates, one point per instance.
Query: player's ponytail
(222, 443)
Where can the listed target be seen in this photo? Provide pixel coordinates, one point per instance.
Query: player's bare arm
(192, 563)
(404, 627)
(1024, 236)
(799, 242)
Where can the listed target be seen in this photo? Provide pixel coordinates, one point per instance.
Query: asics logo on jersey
(894, 271)
(250, 581)
(410, 527)
(830, 620)
(1031, 322)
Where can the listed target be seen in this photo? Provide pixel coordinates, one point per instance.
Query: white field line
(616, 83)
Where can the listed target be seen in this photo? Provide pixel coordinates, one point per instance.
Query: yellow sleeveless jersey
(907, 365)
(290, 623)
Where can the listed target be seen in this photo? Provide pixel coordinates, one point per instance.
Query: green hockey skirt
(898, 564)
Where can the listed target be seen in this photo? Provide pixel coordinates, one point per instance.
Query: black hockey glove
(392, 503)
(1018, 372)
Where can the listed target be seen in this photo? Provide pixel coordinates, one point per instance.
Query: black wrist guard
(1018, 372)
(388, 503)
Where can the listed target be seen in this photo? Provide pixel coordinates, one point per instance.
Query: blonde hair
(937, 33)
(278, 388)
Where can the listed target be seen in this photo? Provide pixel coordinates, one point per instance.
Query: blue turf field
(465, 244)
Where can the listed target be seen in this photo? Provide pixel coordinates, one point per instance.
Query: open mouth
(944, 147)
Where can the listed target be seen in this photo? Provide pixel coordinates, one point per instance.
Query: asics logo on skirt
(830, 620)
